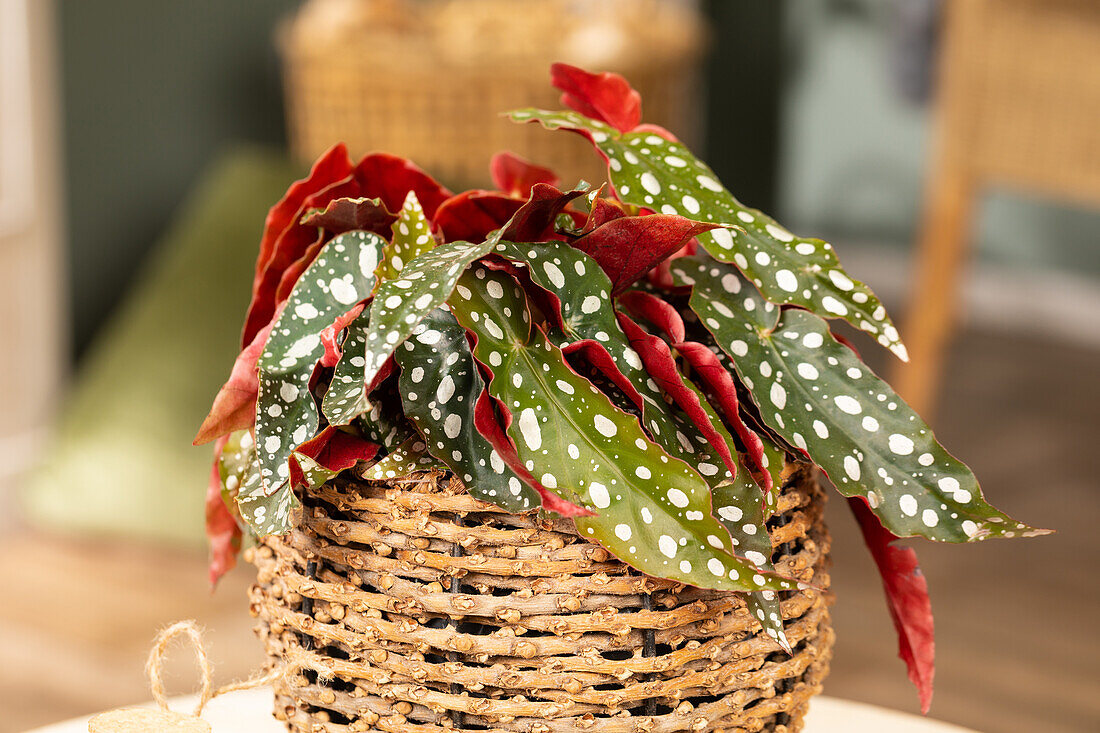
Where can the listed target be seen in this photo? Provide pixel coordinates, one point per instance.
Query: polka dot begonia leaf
(439, 385)
(819, 396)
(423, 285)
(411, 237)
(411, 455)
(587, 313)
(341, 276)
(649, 509)
(234, 464)
(265, 513)
(650, 171)
(738, 507)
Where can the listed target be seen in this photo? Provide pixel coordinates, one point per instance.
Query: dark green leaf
(406, 458)
(820, 397)
(439, 385)
(422, 286)
(650, 171)
(286, 416)
(651, 510)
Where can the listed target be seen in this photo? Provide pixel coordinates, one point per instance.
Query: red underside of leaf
(288, 246)
(333, 449)
(603, 211)
(596, 355)
(471, 215)
(515, 176)
(391, 177)
(714, 376)
(353, 214)
(534, 221)
(629, 247)
(658, 361)
(222, 531)
(606, 97)
(333, 166)
(661, 275)
(721, 386)
(485, 422)
(289, 249)
(330, 333)
(235, 404)
(907, 598)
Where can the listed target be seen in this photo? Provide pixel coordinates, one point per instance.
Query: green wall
(152, 91)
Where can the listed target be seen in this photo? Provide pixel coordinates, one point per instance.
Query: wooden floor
(1018, 622)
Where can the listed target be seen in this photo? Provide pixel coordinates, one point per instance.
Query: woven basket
(411, 607)
(429, 79)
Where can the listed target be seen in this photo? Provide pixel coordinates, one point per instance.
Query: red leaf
(222, 531)
(287, 254)
(597, 356)
(714, 376)
(471, 215)
(336, 450)
(235, 404)
(333, 166)
(515, 176)
(329, 334)
(658, 312)
(907, 598)
(390, 178)
(658, 361)
(603, 211)
(534, 221)
(350, 214)
(720, 384)
(629, 247)
(661, 275)
(606, 97)
(485, 422)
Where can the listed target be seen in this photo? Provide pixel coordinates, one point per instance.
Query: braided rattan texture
(1025, 119)
(411, 607)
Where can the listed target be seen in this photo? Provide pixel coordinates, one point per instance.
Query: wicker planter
(410, 606)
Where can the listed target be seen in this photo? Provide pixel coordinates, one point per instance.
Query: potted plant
(536, 459)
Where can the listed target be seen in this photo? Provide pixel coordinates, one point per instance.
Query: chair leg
(941, 255)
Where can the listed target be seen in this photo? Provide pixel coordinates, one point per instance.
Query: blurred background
(950, 149)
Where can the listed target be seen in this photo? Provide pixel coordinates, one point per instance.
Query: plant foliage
(643, 358)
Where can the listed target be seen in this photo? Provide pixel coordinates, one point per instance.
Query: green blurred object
(121, 460)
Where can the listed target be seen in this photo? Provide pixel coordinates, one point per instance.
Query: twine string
(190, 629)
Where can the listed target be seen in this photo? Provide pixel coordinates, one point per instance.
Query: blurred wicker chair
(1019, 106)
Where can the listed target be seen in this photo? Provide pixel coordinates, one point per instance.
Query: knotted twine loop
(190, 629)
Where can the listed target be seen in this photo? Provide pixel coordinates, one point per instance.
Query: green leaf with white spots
(738, 507)
(587, 314)
(647, 170)
(313, 473)
(234, 464)
(817, 394)
(651, 510)
(439, 385)
(406, 458)
(411, 237)
(286, 416)
(399, 305)
(265, 513)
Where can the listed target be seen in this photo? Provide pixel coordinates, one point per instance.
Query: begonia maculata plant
(641, 357)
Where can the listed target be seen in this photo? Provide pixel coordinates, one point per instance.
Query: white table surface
(250, 712)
